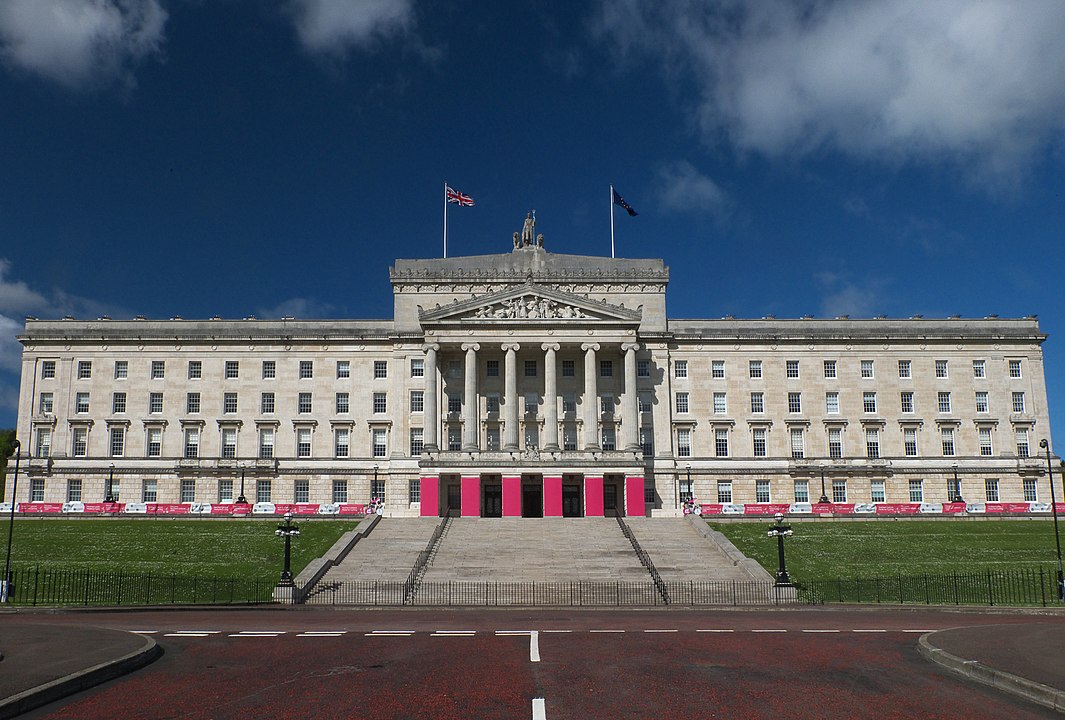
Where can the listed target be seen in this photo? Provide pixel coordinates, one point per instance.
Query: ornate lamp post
(955, 495)
(824, 497)
(109, 496)
(8, 585)
(287, 530)
(240, 498)
(781, 531)
(1054, 510)
(691, 493)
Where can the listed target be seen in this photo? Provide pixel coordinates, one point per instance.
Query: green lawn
(821, 551)
(200, 548)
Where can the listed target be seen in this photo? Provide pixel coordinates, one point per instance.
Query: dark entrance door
(532, 501)
(610, 498)
(493, 501)
(454, 498)
(571, 501)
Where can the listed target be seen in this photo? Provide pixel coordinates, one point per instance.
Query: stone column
(430, 416)
(550, 439)
(469, 414)
(591, 397)
(630, 416)
(510, 396)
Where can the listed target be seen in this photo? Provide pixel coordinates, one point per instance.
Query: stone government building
(533, 383)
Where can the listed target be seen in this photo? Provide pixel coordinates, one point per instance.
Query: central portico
(530, 407)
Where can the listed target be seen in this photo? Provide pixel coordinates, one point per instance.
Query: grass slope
(821, 551)
(223, 549)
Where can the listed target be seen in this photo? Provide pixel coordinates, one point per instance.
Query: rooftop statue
(527, 237)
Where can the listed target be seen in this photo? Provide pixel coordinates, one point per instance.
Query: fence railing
(990, 587)
(44, 586)
(644, 558)
(414, 579)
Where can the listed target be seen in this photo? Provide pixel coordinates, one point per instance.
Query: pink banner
(634, 497)
(822, 508)
(352, 509)
(1059, 507)
(1014, 507)
(39, 507)
(711, 508)
(471, 496)
(900, 508)
(167, 509)
(766, 509)
(430, 496)
(511, 496)
(296, 508)
(552, 496)
(952, 508)
(237, 509)
(104, 507)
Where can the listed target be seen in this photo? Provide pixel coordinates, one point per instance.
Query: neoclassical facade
(533, 383)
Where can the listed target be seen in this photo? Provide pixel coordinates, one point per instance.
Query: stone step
(387, 553)
(679, 553)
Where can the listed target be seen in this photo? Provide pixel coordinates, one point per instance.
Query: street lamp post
(691, 494)
(109, 496)
(1054, 510)
(8, 586)
(781, 531)
(287, 530)
(824, 496)
(955, 496)
(240, 498)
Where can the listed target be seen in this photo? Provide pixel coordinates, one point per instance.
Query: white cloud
(299, 308)
(975, 84)
(682, 187)
(80, 42)
(843, 296)
(334, 26)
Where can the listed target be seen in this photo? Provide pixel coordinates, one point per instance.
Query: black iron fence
(43, 586)
(990, 587)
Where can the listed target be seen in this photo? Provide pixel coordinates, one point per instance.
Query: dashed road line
(869, 631)
(556, 631)
(714, 631)
(258, 633)
(917, 631)
(769, 631)
(323, 633)
(192, 633)
(539, 711)
(606, 631)
(390, 633)
(143, 632)
(660, 631)
(453, 633)
(820, 631)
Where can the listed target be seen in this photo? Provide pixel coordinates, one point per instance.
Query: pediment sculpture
(531, 307)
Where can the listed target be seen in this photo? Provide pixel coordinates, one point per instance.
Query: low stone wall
(317, 568)
(756, 571)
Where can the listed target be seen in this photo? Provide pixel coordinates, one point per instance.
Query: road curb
(999, 679)
(81, 680)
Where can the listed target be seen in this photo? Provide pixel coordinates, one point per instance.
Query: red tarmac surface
(816, 663)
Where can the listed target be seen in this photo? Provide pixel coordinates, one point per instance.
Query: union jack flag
(460, 199)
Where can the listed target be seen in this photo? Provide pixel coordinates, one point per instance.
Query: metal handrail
(414, 579)
(645, 559)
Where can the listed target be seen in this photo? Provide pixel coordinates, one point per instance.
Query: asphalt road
(304, 663)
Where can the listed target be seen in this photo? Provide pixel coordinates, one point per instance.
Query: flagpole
(611, 221)
(445, 218)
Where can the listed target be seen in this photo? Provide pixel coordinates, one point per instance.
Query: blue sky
(195, 157)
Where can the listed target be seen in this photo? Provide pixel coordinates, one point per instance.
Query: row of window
(791, 369)
(840, 494)
(907, 405)
(263, 492)
(230, 369)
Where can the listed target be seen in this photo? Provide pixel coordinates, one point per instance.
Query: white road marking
(868, 631)
(715, 631)
(556, 631)
(390, 633)
(917, 631)
(322, 633)
(660, 631)
(539, 712)
(820, 631)
(534, 647)
(258, 633)
(769, 631)
(143, 632)
(188, 634)
(200, 632)
(453, 633)
(606, 631)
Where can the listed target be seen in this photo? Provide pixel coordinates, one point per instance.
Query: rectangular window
(609, 438)
(229, 443)
(1018, 402)
(118, 403)
(569, 403)
(719, 403)
(44, 442)
(985, 441)
(340, 491)
(303, 442)
(643, 368)
(341, 442)
(717, 369)
(263, 491)
(979, 369)
(454, 368)
(944, 402)
(73, 490)
(149, 491)
(754, 369)
(491, 403)
(941, 368)
(195, 369)
(761, 491)
(155, 442)
(904, 369)
(380, 369)
(121, 369)
(867, 369)
(532, 402)
(792, 367)
(417, 367)
(872, 443)
(1031, 490)
(720, 442)
(606, 368)
(802, 491)
(832, 403)
(491, 368)
(343, 369)
(158, 369)
(757, 402)
(81, 402)
(947, 435)
(46, 403)
(229, 403)
(377, 490)
(794, 402)
(906, 401)
(266, 403)
(417, 401)
(417, 442)
(118, 441)
(379, 447)
(680, 368)
(649, 491)
(414, 491)
(454, 403)
(682, 402)
(798, 444)
(991, 490)
(684, 442)
(1022, 443)
(269, 369)
(155, 403)
(80, 441)
(306, 369)
(225, 490)
(645, 400)
(1015, 368)
(192, 442)
(830, 369)
(303, 403)
(232, 370)
(758, 438)
(916, 491)
(36, 490)
(869, 402)
(876, 491)
(724, 492)
(491, 438)
(835, 443)
(839, 491)
(568, 368)
(909, 441)
(47, 369)
(454, 438)
(301, 491)
(981, 402)
(380, 403)
(342, 404)
(647, 441)
(266, 443)
(84, 370)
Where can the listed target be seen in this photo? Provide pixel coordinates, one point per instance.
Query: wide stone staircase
(680, 553)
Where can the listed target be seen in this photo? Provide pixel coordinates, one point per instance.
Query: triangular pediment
(530, 302)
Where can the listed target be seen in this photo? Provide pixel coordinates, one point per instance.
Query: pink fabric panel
(593, 496)
(430, 496)
(471, 497)
(552, 497)
(511, 497)
(634, 505)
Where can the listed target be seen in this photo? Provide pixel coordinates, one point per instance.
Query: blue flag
(618, 200)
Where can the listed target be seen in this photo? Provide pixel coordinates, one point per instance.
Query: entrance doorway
(610, 498)
(493, 501)
(454, 497)
(571, 501)
(532, 500)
